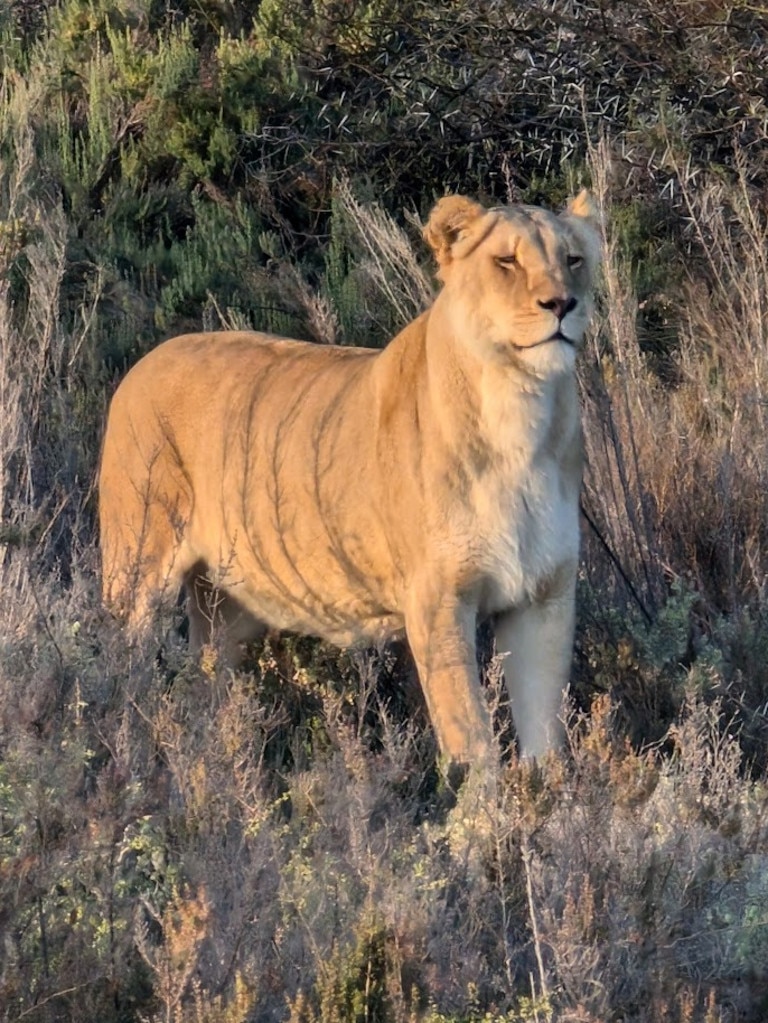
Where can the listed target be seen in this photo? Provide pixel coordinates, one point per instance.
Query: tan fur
(356, 494)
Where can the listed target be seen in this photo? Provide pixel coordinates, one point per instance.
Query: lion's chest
(520, 538)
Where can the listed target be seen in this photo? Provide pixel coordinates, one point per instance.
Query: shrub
(181, 842)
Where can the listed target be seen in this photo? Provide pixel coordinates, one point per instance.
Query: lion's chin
(548, 358)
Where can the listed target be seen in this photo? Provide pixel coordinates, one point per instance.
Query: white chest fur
(525, 507)
(523, 539)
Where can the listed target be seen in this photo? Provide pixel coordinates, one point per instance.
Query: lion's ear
(583, 205)
(448, 221)
(585, 217)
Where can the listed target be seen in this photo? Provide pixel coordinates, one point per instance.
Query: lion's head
(517, 279)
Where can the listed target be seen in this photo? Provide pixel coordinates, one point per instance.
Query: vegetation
(179, 843)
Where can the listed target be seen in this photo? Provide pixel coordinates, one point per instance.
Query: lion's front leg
(535, 644)
(441, 634)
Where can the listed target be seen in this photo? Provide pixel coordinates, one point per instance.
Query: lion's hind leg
(218, 620)
(140, 577)
(144, 554)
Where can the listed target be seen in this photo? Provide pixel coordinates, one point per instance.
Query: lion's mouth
(560, 336)
(557, 336)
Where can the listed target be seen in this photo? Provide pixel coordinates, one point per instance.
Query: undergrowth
(185, 844)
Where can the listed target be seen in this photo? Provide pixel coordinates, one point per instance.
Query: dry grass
(183, 844)
(677, 468)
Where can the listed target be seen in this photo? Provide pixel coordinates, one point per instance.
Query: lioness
(354, 494)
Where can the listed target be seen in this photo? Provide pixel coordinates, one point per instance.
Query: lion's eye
(506, 261)
(574, 262)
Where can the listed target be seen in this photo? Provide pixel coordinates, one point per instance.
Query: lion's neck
(534, 421)
(512, 412)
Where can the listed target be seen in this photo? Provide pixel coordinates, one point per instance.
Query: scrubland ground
(185, 844)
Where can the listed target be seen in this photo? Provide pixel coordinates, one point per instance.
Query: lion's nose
(560, 306)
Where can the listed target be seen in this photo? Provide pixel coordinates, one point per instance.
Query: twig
(532, 913)
(616, 563)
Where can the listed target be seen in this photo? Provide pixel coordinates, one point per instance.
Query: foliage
(179, 843)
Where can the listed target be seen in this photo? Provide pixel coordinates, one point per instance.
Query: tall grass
(50, 389)
(181, 843)
(675, 477)
(677, 468)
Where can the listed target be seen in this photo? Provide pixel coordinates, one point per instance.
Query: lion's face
(518, 280)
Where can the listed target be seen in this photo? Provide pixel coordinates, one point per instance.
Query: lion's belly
(301, 578)
(343, 619)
